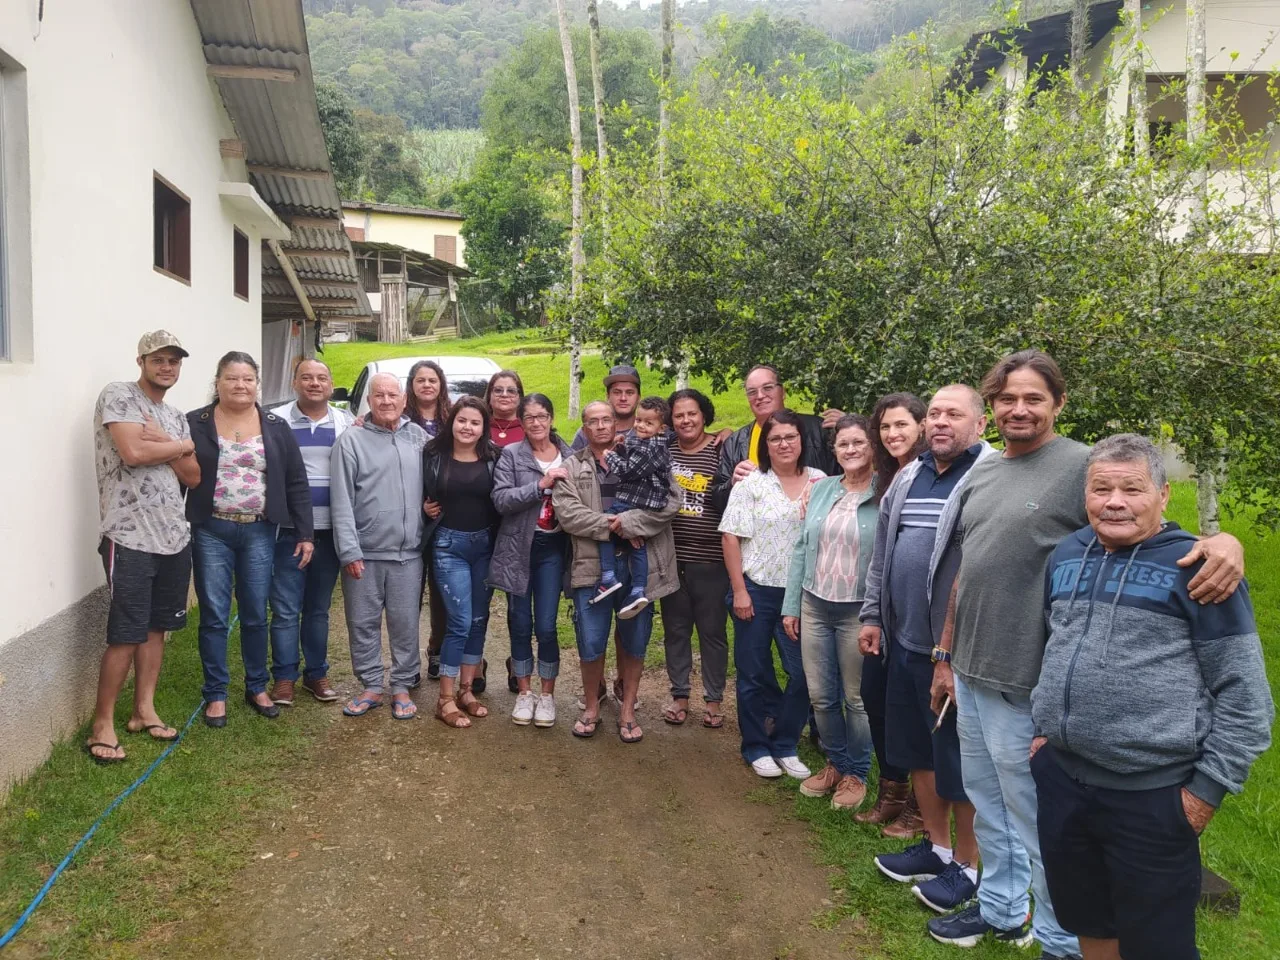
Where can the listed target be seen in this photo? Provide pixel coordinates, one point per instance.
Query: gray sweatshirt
(376, 492)
(1141, 687)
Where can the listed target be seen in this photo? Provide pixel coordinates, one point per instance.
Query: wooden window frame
(239, 263)
(172, 260)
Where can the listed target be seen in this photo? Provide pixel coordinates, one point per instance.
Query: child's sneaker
(606, 588)
(635, 603)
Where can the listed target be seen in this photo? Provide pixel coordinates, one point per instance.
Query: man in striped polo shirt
(303, 596)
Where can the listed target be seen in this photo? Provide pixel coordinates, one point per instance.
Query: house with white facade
(162, 164)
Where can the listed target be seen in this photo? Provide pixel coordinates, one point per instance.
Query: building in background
(161, 165)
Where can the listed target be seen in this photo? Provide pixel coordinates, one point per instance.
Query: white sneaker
(522, 714)
(794, 768)
(766, 767)
(633, 608)
(545, 715)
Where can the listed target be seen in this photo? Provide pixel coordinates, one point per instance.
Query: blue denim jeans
(759, 695)
(833, 674)
(227, 556)
(460, 564)
(592, 622)
(302, 596)
(636, 558)
(874, 688)
(995, 732)
(535, 612)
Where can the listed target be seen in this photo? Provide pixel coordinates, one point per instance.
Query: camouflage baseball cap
(158, 340)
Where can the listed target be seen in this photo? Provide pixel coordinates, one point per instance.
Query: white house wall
(115, 91)
(1245, 27)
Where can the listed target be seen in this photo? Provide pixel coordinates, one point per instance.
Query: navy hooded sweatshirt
(1141, 686)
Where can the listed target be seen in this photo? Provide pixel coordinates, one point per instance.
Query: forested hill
(428, 63)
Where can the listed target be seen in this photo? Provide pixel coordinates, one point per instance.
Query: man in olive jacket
(580, 501)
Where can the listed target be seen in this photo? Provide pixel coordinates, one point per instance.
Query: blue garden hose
(66, 861)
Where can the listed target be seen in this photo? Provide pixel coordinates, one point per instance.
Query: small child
(642, 464)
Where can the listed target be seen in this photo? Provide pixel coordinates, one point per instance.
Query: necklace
(503, 426)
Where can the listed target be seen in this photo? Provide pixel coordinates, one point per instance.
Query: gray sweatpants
(700, 602)
(396, 587)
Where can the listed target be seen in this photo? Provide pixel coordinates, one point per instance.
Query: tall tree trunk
(664, 134)
(1208, 484)
(597, 89)
(1079, 41)
(578, 259)
(1137, 70)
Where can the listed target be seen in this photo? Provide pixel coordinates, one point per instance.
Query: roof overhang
(252, 210)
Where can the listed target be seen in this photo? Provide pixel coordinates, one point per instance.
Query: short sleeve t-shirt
(768, 523)
(1014, 512)
(696, 525)
(140, 507)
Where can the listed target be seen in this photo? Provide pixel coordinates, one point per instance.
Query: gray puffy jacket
(518, 499)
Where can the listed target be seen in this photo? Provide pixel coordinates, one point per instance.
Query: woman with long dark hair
(252, 480)
(503, 395)
(759, 529)
(427, 396)
(529, 555)
(897, 438)
(458, 487)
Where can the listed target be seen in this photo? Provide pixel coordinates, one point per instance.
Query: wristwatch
(940, 656)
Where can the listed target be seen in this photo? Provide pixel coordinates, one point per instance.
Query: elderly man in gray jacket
(376, 504)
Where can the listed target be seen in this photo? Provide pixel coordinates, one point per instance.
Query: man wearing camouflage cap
(144, 457)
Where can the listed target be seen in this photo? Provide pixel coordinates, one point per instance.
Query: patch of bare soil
(412, 839)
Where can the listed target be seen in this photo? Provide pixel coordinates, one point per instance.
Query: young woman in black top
(458, 483)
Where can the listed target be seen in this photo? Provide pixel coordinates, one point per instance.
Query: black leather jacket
(817, 454)
(432, 464)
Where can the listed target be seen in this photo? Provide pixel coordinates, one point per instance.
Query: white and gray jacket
(376, 493)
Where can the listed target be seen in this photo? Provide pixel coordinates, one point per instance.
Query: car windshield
(462, 386)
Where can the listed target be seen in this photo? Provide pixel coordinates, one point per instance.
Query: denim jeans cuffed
(460, 566)
(833, 674)
(592, 622)
(232, 557)
(300, 601)
(535, 613)
(995, 731)
(759, 695)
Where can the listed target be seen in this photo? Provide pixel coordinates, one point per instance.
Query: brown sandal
(451, 718)
(473, 706)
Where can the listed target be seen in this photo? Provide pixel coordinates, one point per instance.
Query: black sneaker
(917, 862)
(416, 682)
(481, 680)
(967, 929)
(512, 683)
(606, 589)
(950, 889)
(433, 666)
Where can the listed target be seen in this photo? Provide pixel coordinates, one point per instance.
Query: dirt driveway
(410, 839)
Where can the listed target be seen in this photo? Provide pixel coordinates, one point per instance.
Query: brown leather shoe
(821, 783)
(908, 823)
(282, 693)
(890, 802)
(321, 689)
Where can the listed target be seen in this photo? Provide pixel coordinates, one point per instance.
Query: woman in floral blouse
(252, 479)
(760, 526)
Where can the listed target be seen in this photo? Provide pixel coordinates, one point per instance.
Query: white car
(464, 375)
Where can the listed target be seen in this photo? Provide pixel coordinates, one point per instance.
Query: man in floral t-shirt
(144, 457)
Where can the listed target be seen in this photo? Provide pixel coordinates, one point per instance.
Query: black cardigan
(288, 503)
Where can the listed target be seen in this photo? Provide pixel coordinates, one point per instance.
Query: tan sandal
(451, 718)
(473, 706)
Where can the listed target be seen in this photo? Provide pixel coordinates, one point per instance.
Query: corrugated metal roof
(402, 209)
(279, 123)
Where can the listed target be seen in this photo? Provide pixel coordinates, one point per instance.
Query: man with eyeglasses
(740, 453)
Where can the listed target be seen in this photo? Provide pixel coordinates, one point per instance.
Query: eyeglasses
(852, 445)
(598, 422)
(768, 388)
(789, 440)
(505, 392)
(537, 418)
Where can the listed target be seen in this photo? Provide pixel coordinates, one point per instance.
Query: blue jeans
(759, 695)
(460, 564)
(995, 732)
(833, 674)
(592, 622)
(536, 611)
(302, 595)
(224, 553)
(637, 557)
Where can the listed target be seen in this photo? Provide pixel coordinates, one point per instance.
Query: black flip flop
(103, 761)
(626, 728)
(155, 726)
(589, 726)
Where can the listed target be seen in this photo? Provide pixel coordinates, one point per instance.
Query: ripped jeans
(460, 565)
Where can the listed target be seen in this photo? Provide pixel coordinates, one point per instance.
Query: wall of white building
(114, 91)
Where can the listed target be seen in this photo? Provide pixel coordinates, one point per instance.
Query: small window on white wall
(15, 215)
(4, 247)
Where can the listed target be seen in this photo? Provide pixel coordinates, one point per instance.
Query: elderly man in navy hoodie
(1150, 709)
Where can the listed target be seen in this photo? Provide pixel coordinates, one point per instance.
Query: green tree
(513, 240)
(391, 174)
(341, 137)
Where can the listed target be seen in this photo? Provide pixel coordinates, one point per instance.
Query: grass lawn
(541, 366)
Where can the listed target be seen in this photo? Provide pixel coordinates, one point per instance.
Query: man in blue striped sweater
(301, 597)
